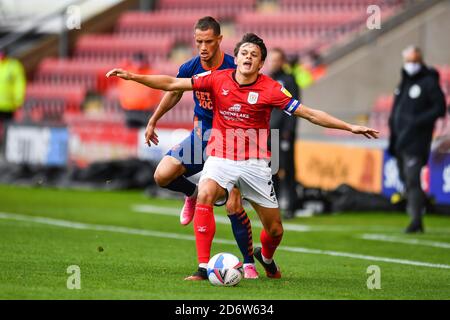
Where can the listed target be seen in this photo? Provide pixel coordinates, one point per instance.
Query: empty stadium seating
(167, 27)
(224, 9)
(291, 45)
(98, 47)
(50, 103)
(296, 26)
(89, 74)
(333, 5)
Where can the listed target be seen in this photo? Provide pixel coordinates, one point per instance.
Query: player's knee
(276, 230)
(205, 196)
(160, 179)
(233, 207)
(234, 203)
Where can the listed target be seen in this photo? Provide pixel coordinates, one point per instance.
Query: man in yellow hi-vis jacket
(12, 90)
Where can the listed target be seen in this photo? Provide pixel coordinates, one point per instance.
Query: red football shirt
(241, 113)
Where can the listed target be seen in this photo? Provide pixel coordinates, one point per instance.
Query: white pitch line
(166, 211)
(151, 233)
(420, 242)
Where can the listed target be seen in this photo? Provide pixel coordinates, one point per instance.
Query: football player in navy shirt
(243, 100)
(187, 158)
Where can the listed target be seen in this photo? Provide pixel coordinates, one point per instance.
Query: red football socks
(204, 228)
(269, 244)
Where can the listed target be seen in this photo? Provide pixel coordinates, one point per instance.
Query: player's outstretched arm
(169, 100)
(323, 119)
(161, 82)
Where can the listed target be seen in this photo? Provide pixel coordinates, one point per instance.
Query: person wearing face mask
(418, 103)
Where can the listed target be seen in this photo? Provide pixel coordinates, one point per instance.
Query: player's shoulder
(228, 71)
(190, 67)
(268, 81)
(273, 87)
(223, 74)
(228, 61)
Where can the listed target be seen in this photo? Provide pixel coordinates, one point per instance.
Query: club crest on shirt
(252, 97)
(225, 92)
(414, 92)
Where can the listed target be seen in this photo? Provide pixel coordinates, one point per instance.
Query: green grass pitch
(147, 253)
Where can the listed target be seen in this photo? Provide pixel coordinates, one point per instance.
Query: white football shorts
(253, 177)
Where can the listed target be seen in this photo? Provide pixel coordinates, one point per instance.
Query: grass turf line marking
(386, 238)
(152, 233)
(167, 211)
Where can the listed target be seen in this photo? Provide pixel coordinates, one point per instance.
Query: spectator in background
(284, 179)
(303, 76)
(317, 67)
(137, 100)
(12, 90)
(418, 103)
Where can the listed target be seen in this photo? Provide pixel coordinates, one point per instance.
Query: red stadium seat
(95, 47)
(159, 25)
(290, 45)
(336, 4)
(444, 75)
(89, 74)
(384, 103)
(225, 9)
(325, 28)
(50, 103)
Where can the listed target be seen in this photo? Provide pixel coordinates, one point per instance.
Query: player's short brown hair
(252, 38)
(207, 23)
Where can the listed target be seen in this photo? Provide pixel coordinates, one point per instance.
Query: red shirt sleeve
(282, 99)
(203, 81)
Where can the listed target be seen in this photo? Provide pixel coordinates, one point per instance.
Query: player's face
(275, 61)
(207, 43)
(413, 56)
(249, 59)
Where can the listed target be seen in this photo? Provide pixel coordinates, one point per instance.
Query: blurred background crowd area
(343, 63)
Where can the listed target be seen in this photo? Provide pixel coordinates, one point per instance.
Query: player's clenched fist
(119, 73)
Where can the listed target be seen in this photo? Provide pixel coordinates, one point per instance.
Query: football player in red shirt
(243, 100)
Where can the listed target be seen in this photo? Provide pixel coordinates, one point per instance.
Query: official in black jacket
(419, 102)
(284, 179)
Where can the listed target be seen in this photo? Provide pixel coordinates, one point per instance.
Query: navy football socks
(183, 185)
(242, 231)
